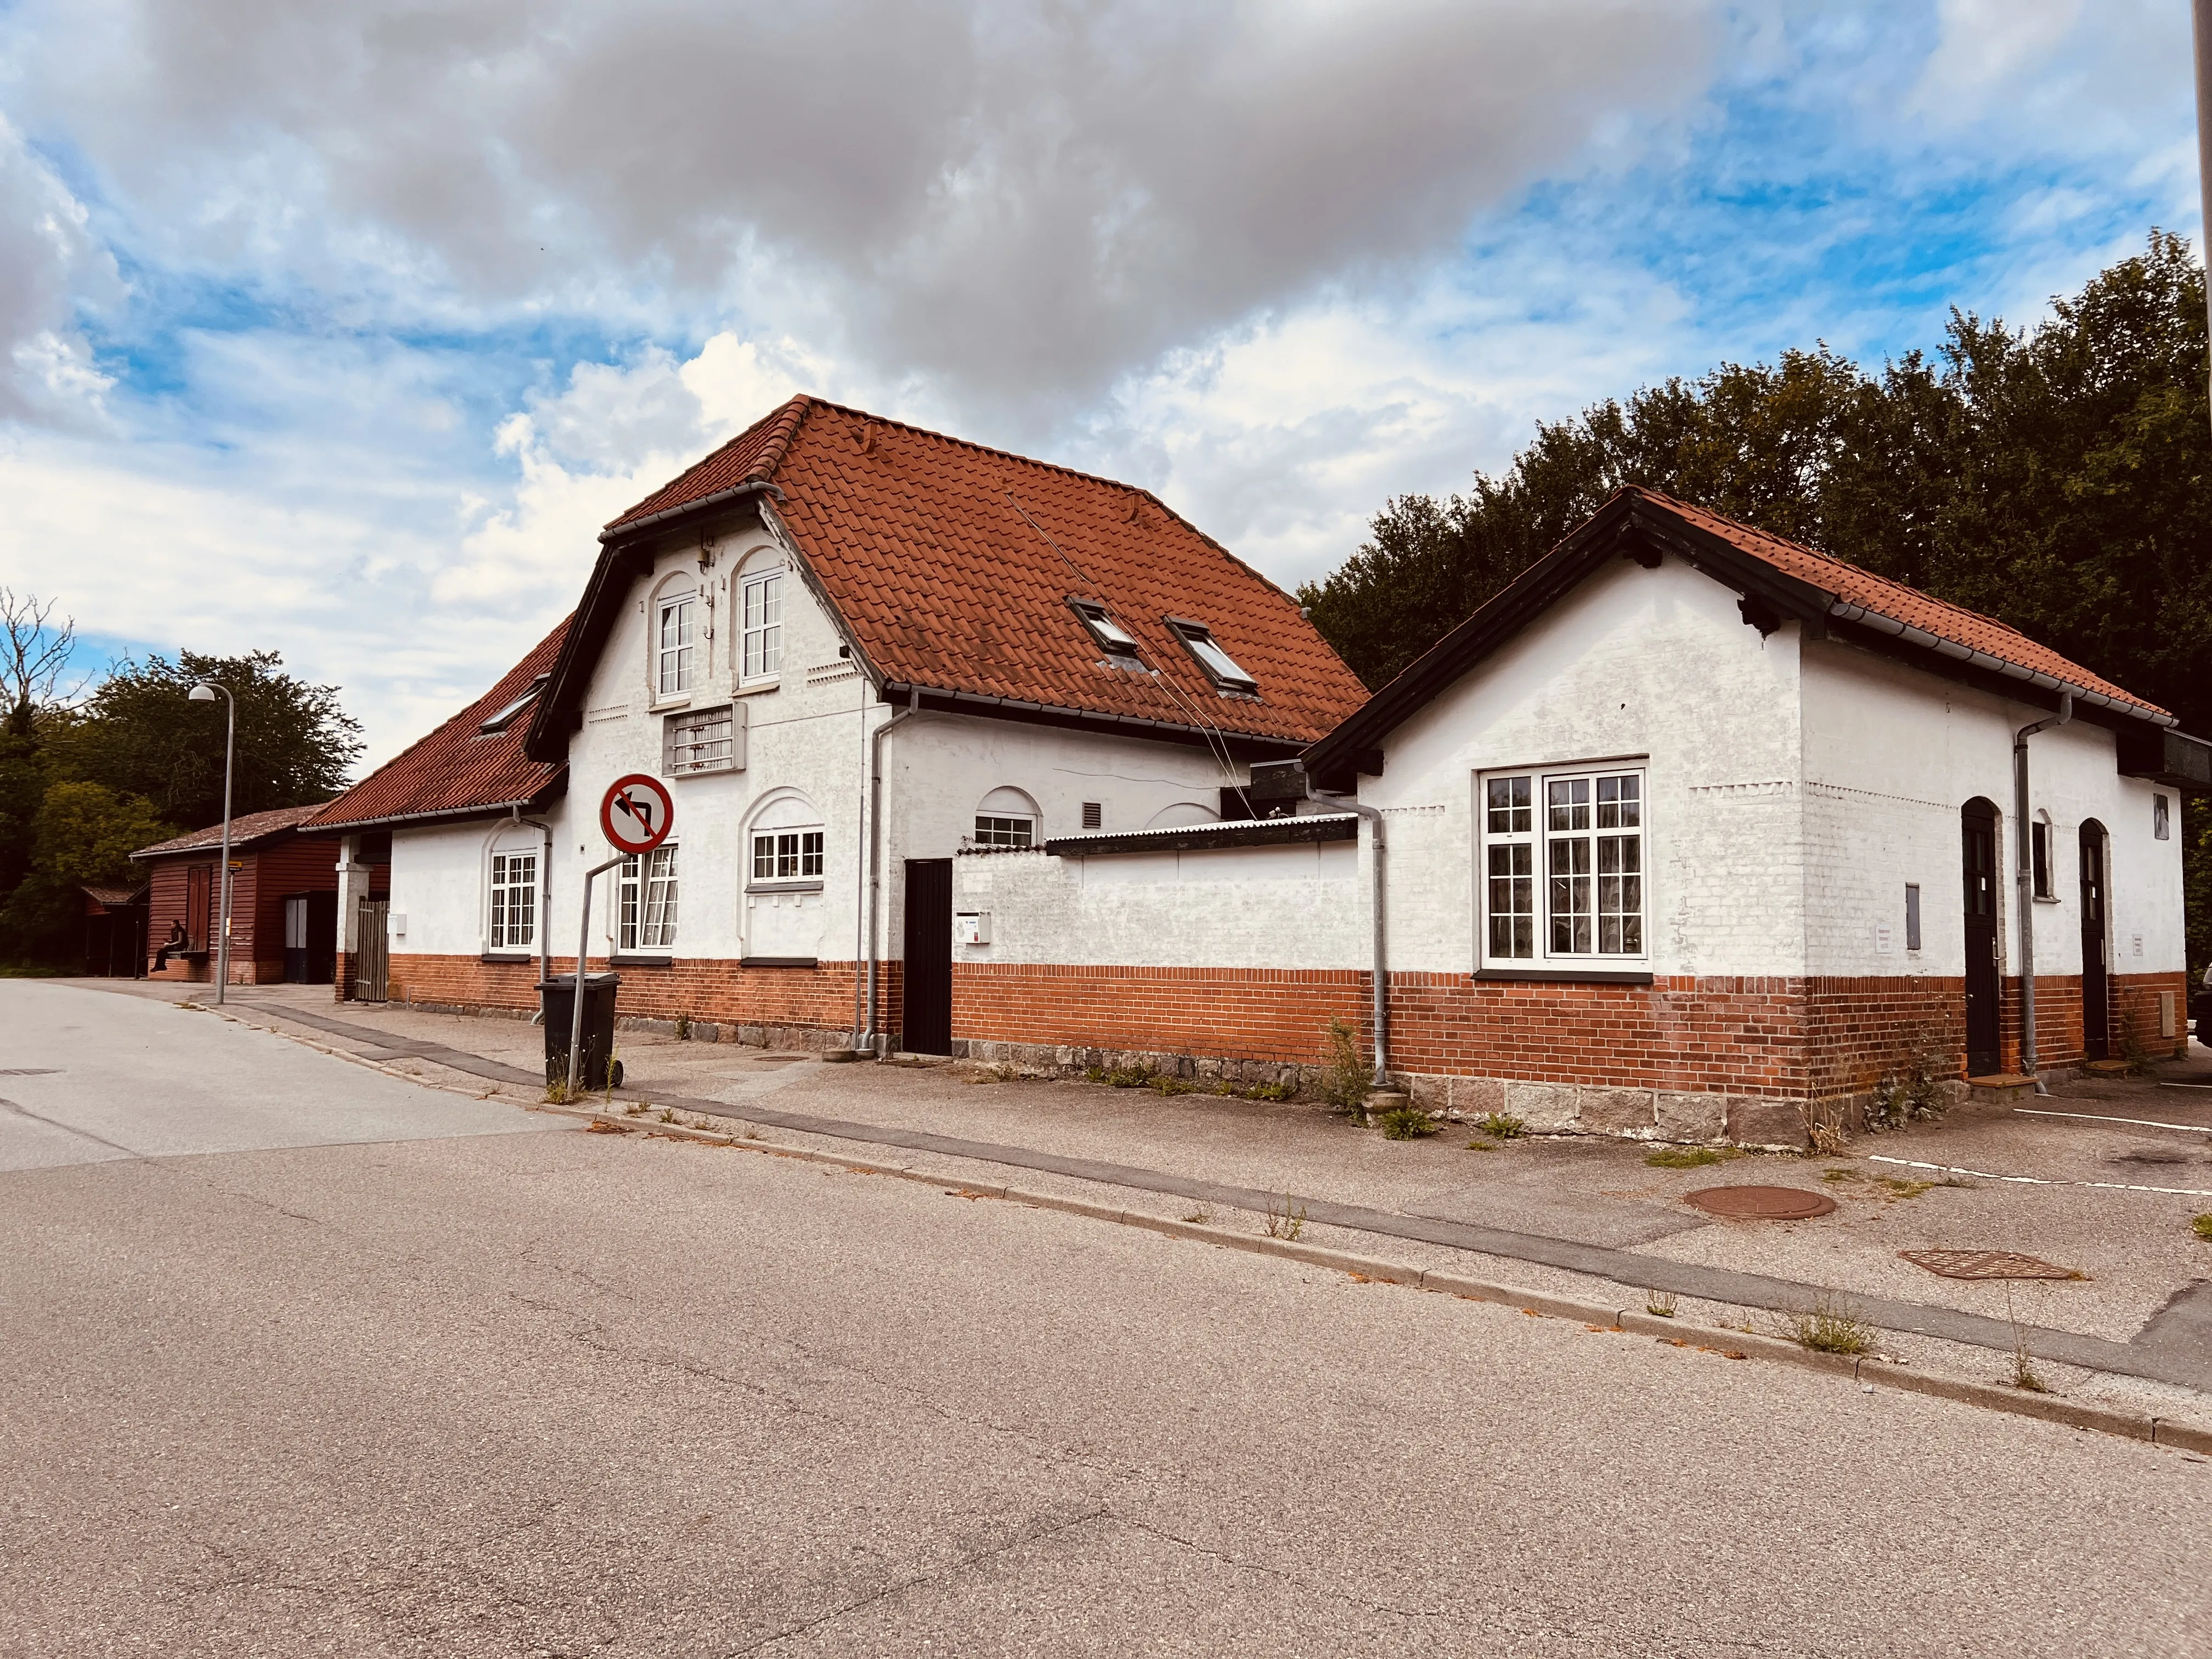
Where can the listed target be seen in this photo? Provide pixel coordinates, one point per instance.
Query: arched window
(513, 891)
(786, 881)
(757, 605)
(1183, 815)
(1006, 817)
(677, 639)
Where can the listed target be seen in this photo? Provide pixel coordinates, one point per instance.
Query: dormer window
(1120, 648)
(1220, 667)
(506, 717)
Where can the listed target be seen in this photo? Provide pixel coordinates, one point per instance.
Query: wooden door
(1977, 856)
(372, 962)
(295, 939)
(928, 970)
(2096, 990)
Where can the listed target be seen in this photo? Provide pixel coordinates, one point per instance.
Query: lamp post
(204, 692)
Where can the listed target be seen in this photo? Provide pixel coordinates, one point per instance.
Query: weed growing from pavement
(1830, 1326)
(1406, 1123)
(1202, 1215)
(1287, 1222)
(636, 1108)
(1121, 1077)
(684, 1028)
(1173, 1085)
(1828, 1138)
(1268, 1092)
(2203, 1227)
(2023, 1368)
(668, 1114)
(1841, 1174)
(1690, 1157)
(1912, 1093)
(1479, 1144)
(1660, 1304)
(1346, 1079)
(1502, 1125)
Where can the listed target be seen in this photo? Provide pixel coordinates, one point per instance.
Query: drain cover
(1761, 1203)
(1985, 1264)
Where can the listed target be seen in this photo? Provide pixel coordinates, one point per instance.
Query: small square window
(1220, 667)
(1119, 645)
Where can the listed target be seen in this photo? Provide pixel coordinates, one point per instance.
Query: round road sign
(637, 814)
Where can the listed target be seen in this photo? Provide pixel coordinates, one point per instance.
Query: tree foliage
(2059, 479)
(139, 734)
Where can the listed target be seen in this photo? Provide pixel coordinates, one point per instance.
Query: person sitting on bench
(177, 942)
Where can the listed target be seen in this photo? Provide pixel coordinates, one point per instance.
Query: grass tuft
(1660, 1304)
(1502, 1125)
(1690, 1157)
(1830, 1326)
(1406, 1123)
(2203, 1227)
(1288, 1222)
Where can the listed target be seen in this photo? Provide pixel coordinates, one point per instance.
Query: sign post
(635, 815)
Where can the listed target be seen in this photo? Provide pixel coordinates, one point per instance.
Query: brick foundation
(783, 1007)
(1748, 1059)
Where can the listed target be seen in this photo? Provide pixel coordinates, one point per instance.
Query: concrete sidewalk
(1560, 1215)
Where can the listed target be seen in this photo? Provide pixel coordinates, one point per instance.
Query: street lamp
(204, 692)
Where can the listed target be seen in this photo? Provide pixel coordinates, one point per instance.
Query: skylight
(1109, 634)
(505, 717)
(1220, 667)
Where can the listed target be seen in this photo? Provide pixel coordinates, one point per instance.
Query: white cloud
(49, 262)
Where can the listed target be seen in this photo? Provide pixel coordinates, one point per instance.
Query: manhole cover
(1985, 1264)
(1762, 1203)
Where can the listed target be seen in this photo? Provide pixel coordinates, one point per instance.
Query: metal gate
(371, 960)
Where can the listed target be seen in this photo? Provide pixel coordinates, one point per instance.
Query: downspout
(1381, 975)
(545, 896)
(2024, 879)
(869, 1038)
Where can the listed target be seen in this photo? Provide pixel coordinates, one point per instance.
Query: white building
(1691, 832)
(853, 649)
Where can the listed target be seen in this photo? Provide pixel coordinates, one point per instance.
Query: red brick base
(708, 990)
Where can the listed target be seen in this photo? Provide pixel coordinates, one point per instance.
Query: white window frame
(760, 625)
(1545, 850)
(675, 645)
(784, 857)
(646, 896)
(511, 893)
(1004, 829)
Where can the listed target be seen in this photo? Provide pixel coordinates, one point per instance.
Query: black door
(295, 939)
(1977, 824)
(2096, 1006)
(928, 1020)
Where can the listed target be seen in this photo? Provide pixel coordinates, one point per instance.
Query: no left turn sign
(636, 814)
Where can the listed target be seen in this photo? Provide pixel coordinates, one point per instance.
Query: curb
(1729, 1344)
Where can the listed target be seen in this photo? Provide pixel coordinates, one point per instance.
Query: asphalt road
(401, 1380)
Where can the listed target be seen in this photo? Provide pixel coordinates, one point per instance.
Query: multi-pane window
(646, 898)
(513, 901)
(677, 646)
(703, 740)
(995, 829)
(1575, 840)
(787, 854)
(760, 603)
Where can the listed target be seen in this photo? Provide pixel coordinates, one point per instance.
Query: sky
(339, 330)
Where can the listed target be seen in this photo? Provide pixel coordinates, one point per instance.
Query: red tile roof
(1857, 586)
(951, 565)
(243, 831)
(459, 769)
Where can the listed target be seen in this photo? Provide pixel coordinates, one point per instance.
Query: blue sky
(339, 330)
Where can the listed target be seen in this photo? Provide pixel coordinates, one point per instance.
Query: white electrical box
(972, 927)
(399, 922)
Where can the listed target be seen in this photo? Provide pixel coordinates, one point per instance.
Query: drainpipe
(868, 1037)
(2024, 877)
(544, 898)
(1381, 975)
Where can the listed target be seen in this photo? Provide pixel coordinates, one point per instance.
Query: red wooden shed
(284, 901)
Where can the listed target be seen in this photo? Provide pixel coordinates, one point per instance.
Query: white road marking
(2099, 1117)
(2039, 1180)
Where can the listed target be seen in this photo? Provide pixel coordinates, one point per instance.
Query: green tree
(85, 834)
(139, 734)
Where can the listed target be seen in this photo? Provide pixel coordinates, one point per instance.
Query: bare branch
(34, 651)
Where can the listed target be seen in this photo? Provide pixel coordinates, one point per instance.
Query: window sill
(784, 887)
(1564, 975)
(513, 958)
(718, 769)
(778, 962)
(633, 960)
(669, 705)
(2047, 898)
(757, 688)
